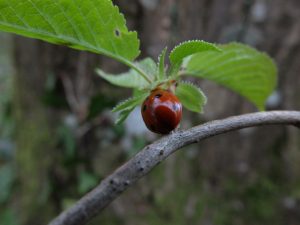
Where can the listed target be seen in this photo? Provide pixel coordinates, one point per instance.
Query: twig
(111, 187)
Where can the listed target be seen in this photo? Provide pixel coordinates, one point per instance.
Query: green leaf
(161, 64)
(129, 103)
(132, 79)
(238, 67)
(189, 48)
(126, 107)
(123, 115)
(191, 96)
(93, 25)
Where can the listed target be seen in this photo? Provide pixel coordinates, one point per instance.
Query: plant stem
(130, 64)
(137, 69)
(143, 162)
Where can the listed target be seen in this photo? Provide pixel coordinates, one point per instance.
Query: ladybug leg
(176, 129)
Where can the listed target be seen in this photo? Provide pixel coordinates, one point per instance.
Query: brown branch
(111, 187)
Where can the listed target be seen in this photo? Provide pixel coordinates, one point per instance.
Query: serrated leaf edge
(201, 109)
(194, 85)
(253, 51)
(194, 41)
(120, 104)
(76, 43)
(122, 116)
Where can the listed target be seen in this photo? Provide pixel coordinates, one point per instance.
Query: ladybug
(161, 111)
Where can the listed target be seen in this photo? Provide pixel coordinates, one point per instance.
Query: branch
(142, 163)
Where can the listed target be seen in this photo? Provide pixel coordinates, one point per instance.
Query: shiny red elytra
(161, 111)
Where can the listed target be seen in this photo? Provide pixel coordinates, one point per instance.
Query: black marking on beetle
(141, 169)
(144, 108)
(158, 95)
(161, 152)
(117, 33)
(111, 181)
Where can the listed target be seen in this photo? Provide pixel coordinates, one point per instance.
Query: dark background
(58, 140)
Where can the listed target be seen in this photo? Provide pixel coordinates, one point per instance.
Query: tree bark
(35, 139)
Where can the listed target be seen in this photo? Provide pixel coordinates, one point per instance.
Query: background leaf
(191, 96)
(92, 25)
(238, 67)
(86, 181)
(7, 177)
(8, 217)
(132, 79)
(188, 48)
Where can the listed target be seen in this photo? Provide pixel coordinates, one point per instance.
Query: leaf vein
(77, 33)
(20, 18)
(44, 17)
(88, 25)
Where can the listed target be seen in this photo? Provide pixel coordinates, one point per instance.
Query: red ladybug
(161, 111)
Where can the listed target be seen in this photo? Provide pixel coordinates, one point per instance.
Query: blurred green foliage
(8, 217)
(7, 177)
(7, 167)
(86, 181)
